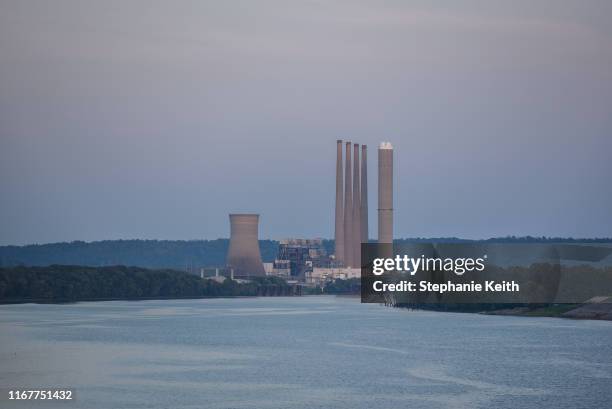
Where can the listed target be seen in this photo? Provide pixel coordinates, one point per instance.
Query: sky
(155, 119)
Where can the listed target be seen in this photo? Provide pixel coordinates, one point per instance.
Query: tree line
(187, 254)
(58, 283)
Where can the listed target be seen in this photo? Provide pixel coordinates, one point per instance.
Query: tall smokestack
(243, 255)
(385, 193)
(348, 209)
(339, 228)
(364, 194)
(356, 228)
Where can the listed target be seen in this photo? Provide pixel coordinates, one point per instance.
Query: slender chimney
(364, 194)
(356, 229)
(348, 209)
(243, 255)
(339, 227)
(385, 193)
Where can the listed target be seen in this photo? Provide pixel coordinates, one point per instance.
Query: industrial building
(319, 276)
(217, 274)
(296, 257)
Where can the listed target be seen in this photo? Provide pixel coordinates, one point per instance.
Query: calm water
(309, 352)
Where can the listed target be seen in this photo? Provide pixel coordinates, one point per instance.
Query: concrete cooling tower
(243, 255)
(385, 193)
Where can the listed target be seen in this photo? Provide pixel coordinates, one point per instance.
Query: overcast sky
(155, 119)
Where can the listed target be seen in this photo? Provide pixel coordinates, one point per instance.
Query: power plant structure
(385, 193)
(299, 257)
(339, 219)
(347, 257)
(351, 224)
(243, 256)
(364, 194)
(296, 257)
(356, 208)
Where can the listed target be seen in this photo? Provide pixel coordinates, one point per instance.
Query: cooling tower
(243, 255)
(348, 209)
(385, 193)
(356, 223)
(364, 194)
(339, 228)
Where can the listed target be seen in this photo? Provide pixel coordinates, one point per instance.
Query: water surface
(301, 352)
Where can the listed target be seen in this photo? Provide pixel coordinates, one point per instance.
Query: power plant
(243, 256)
(304, 258)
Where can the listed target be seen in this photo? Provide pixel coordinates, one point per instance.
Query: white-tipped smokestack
(243, 255)
(339, 226)
(356, 228)
(348, 209)
(385, 193)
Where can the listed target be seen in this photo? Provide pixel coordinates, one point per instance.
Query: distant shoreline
(600, 311)
(72, 301)
(590, 311)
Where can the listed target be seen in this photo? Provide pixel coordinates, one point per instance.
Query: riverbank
(597, 308)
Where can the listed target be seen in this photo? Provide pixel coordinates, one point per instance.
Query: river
(300, 352)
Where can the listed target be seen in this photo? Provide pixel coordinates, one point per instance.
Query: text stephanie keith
(448, 287)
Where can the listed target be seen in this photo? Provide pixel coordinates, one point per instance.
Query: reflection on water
(309, 352)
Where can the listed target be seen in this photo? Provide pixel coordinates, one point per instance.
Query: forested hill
(178, 254)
